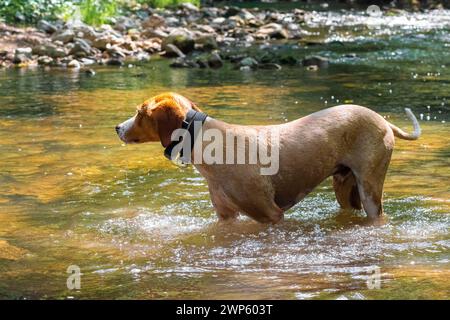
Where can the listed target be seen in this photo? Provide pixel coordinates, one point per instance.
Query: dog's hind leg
(346, 189)
(370, 186)
(371, 196)
(267, 213)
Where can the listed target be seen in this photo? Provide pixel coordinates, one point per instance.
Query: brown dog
(349, 142)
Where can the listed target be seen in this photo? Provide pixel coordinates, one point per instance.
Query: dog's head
(156, 119)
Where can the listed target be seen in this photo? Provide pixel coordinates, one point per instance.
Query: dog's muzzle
(122, 128)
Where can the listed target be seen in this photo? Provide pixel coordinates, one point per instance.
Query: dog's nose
(117, 129)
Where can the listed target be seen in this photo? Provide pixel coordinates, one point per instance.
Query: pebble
(74, 64)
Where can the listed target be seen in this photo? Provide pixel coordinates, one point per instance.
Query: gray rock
(181, 38)
(183, 63)
(275, 16)
(59, 43)
(22, 55)
(116, 52)
(294, 31)
(319, 61)
(173, 21)
(189, 7)
(128, 45)
(153, 22)
(57, 53)
(215, 61)
(151, 46)
(9, 56)
(85, 32)
(50, 50)
(110, 21)
(232, 11)
(114, 62)
(218, 20)
(235, 21)
(249, 38)
(248, 62)
(44, 60)
(81, 48)
(142, 14)
(90, 72)
(142, 56)
(179, 63)
(272, 30)
(124, 23)
(67, 46)
(87, 61)
(210, 12)
(27, 51)
(155, 33)
(19, 17)
(64, 36)
(104, 40)
(206, 42)
(107, 29)
(204, 28)
(235, 58)
(57, 63)
(246, 15)
(20, 58)
(74, 64)
(46, 26)
(254, 23)
(65, 60)
(173, 51)
(134, 34)
(299, 13)
(202, 63)
(312, 68)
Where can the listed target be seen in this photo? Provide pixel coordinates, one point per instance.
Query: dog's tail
(402, 134)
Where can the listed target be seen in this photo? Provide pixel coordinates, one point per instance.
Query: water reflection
(140, 227)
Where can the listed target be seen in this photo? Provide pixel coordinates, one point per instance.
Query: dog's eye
(138, 117)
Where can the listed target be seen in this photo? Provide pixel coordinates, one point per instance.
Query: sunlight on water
(140, 227)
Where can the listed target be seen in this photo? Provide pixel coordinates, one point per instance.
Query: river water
(140, 227)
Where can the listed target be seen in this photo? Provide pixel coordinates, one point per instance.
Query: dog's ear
(194, 106)
(186, 103)
(142, 109)
(168, 117)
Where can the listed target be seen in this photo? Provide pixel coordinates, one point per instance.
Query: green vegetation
(29, 11)
(97, 12)
(93, 12)
(167, 3)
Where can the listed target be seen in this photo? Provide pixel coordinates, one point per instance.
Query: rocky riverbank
(193, 37)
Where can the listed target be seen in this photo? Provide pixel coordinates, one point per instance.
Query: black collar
(188, 124)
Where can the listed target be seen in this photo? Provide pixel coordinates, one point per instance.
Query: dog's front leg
(225, 213)
(224, 209)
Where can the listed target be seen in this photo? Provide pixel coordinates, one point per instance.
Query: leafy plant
(93, 12)
(168, 3)
(96, 12)
(28, 11)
